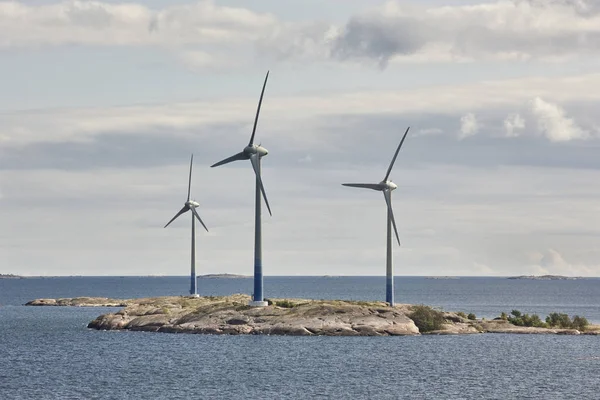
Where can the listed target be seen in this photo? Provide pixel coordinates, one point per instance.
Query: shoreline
(290, 317)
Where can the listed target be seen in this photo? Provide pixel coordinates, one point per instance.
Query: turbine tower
(190, 205)
(386, 186)
(254, 153)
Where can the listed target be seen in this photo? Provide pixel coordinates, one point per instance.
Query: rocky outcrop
(231, 315)
(80, 302)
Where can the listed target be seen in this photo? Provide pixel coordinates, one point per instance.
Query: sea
(48, 352)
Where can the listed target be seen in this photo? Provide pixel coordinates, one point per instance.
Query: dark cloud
(379, 38)
(125, 150)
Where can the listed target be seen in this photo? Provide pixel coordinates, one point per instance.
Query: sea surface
(48, 353)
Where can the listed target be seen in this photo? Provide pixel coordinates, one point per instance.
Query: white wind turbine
(190, 205)
(255, 153)
(387, 186)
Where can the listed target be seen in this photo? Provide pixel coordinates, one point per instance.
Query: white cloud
(282, 112)
(512, 124)
(428, 132)
(502, 30)
(198, 59)
(552, 262)
(100, 23)
(468, 126)
(554, 124)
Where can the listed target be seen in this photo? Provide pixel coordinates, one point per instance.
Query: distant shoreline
(11, 276)
(228, 276)
(239, 276)
(546, 277)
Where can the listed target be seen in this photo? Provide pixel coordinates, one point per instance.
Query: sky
(103, 102)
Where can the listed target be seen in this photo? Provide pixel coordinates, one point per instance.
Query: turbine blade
(395, 155)
(258, 110)
(236, 157)
(197, 216)
(374, 186)
(190, 180)
(388, 199)
(184, 209)
(254, 160)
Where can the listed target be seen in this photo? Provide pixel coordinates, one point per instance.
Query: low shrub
(471, 316)
(461, 314)
(559, 320)
(285, 304)
(519, 319)
(554, 320)
(426, 318)
(580, 323)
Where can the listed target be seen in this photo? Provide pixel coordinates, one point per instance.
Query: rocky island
(295, 317)
(10, 276)
(545, 277)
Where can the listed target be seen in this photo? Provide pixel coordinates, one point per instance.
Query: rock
(79, 302)
(238, 321)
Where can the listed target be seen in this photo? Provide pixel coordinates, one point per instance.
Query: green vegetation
(471, 316)
(426, 318)
(285, 304)
(563, 321)
(580, 323)
(519, 319)
(461, 314)
(554, 320)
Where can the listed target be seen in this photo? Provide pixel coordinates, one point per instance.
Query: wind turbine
(386, 186)
(190, 205)
(254, 153)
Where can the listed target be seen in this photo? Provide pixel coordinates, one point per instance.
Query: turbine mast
(389, 266)
(258, 299)
(193, 289)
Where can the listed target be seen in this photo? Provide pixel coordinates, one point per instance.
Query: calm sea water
(48, 353)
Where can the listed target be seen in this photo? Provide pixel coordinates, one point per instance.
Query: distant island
(231, 315)
(231, 276)
(11, 276)
(545, 277)
(442, 277)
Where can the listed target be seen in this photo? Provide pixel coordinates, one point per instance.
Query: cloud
(468, 126)
(428, 132)
(518, 29)
(551, 261)
(281, 112)
(554, 124)
(128, 24)
(500, 30)
(512, 124)
(203, 60)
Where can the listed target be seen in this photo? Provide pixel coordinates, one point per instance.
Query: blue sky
(103, 102)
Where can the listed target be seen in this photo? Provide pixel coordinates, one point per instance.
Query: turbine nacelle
(189, 205)
(192, 203)
(254, 149)
(389, 185)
